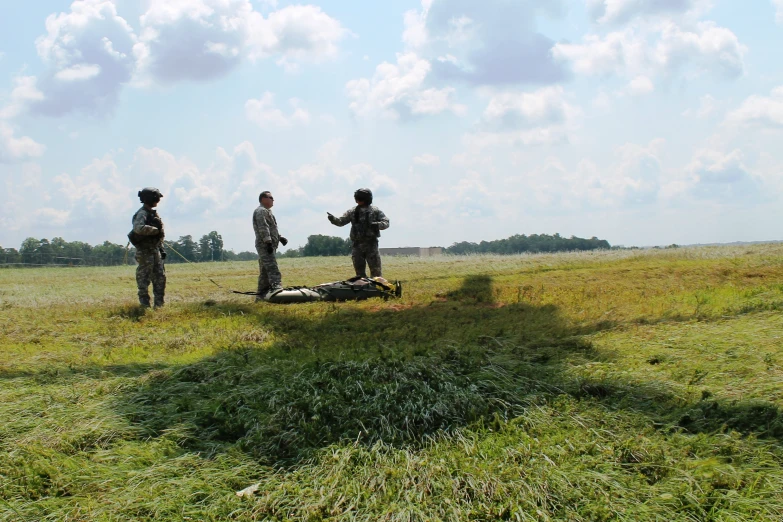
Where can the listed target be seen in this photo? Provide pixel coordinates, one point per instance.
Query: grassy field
(624, 385)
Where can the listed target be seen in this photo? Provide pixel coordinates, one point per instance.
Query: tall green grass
(634, 385)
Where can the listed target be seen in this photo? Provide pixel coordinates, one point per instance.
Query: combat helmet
(363, 194)
(150, 195)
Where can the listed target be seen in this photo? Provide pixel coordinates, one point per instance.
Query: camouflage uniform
(265, 226)
(364, 236)
(148, 228)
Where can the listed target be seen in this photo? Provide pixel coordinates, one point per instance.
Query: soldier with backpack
(147, 236)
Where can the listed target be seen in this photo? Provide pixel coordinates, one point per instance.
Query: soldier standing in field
(267, 239)
(366, 221)
(147, 236)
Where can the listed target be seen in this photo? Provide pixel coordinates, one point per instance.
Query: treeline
(209, 248)
(61, 252)
(319, 245)
(533, 243)
(77, 253)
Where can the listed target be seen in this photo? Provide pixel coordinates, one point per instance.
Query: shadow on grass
(399, 376)
(131, 312)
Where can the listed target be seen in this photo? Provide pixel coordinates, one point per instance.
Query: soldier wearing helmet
(366, 221)
(147, 236)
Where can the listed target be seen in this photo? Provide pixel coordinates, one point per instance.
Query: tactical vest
(153, 220)
(361, 224)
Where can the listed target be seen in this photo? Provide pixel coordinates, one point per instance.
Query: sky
(642, 122)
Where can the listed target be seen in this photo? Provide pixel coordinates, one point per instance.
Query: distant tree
(9, 255)
(216, 245)
(108, 254)
(292, 252)
(246, 256)
(29, 250)
(185, 247)
(210, 247)
(320, 245)
(204, 250)
(45, 252)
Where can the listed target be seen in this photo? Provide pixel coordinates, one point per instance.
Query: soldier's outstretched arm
(342, 220)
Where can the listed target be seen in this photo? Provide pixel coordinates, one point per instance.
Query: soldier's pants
(366, 253)
(150, 269)
(268, 272)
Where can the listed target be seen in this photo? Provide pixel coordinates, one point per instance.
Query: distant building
(412, 251)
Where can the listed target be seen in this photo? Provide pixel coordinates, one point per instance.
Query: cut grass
(599, 386)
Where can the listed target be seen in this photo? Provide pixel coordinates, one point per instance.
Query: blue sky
(642, 122)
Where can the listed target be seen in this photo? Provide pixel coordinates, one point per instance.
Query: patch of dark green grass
(761, 418)
(280, 411)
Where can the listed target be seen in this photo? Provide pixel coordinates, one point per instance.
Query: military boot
(261, 294)
(144, 302)
(159, 302)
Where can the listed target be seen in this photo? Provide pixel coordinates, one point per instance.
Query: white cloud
(24, 93)
(778, 11)
(88, 54)
(661, 49)
(513, 118)
(91, 52)
(427, 159)
(399, 90)
(544, 107)
(13, 149)
(205, 39)
(297, 32)
(602, 56)
(641, 85)
(264, 113)
(415, 34)
(709, 47)
(329, 176)
(192, 39)
(525, 138)
(50, 217)
(760, 111)
(158, 164)
(100, 189)
(460, 201)
(620, 11)
(635, 178)
(494, 42)
(79, 72)
(717, 175)
(707, 106)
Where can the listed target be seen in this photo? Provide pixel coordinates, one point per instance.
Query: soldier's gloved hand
(162, 254)
(269, 248)
(331, 217)
(283, 241)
